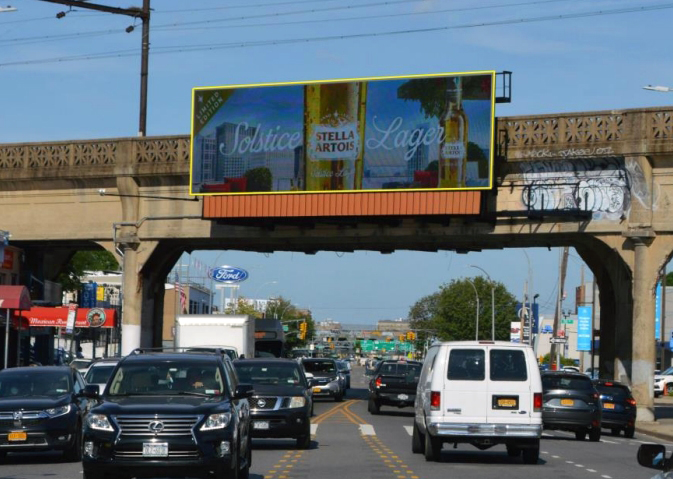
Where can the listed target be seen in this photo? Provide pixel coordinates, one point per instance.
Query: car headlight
(58, 411)
(99, 422)
(216, 421)
(297, 401)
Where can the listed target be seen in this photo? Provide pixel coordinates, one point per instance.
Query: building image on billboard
(421, 132)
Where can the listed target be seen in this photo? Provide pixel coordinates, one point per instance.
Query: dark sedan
(570, 402)
(281, 405)
(42, 408)
(619, 407)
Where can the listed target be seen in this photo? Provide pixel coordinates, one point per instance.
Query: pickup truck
(393, 383)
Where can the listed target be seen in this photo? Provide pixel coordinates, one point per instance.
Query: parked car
(571, 403)
(100, 371)
(42, 408)
(482, 393)
(169, 414)
(619, 407)
(654, 457)
(394, 383)
(663, 383)
(282, 404)
(325, 381)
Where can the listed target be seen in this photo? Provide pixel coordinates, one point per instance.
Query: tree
(669, 279)
(451, 312)
(81, 262)
(291, 316)
(243, 307)
(258, 179)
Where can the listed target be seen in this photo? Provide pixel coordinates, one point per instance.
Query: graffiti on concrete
(599, 185)
(567, 153)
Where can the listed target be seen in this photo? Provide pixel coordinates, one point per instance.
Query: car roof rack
(170, 349)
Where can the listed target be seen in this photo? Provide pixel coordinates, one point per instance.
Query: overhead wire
(207, 47)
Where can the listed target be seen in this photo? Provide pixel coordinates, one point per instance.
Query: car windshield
(413, 371)
(167, 378)
(613, 389)
(99, 374)
(269, 373)
(319, 366)
(34, 383)
(565, 382)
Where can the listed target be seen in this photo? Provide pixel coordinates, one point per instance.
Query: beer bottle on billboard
(453, 148)
(334, 124)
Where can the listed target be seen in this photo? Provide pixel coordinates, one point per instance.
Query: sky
(78, 77)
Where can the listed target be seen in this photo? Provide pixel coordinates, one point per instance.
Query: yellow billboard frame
(492, 73)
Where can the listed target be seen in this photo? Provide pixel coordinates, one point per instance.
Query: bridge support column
(132, 300)
(645, 275)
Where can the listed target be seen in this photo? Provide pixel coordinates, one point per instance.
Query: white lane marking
(556, 457)
(606, 477)
(609, 442)
(545, 452)
(367, 430)
(579, 465)
(570, 462)
(591, 470)
(314, 429)
(409, 429)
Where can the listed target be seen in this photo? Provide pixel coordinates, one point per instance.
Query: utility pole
(555, 347)
(135, 12)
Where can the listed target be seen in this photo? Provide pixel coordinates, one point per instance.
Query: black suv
(282, 404)
(394, 384)
(571, 403)
(169, 414)
(42, 408)
(619, 407)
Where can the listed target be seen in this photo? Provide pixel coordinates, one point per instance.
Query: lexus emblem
(18, 415)
(156, 427)
(261, 402)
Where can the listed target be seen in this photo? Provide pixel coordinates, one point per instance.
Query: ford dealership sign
(228, 274)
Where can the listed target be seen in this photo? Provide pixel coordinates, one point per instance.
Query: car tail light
(608, 384)
(435, 400)
(537, 402)
(631, 401)
(378, 382)
(595, 396)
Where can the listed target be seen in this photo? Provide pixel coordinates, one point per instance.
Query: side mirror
(653, 456)
(244, 391)
(91, 391)
(309, 379)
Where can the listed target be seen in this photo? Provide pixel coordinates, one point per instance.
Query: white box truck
(234, 333)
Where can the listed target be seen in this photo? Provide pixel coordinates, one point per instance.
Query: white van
(482, 393)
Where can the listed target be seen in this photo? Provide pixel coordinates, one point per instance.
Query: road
(349, 443)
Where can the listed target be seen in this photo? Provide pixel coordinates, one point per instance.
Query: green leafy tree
(669, 279)
(292, 317)
(81, 262)
(258, 179)
(243, 307)
(452, 311)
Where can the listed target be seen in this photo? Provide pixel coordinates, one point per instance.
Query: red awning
(14, 297)
(43, 317)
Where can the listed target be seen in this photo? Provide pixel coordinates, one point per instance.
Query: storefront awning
(14, 297)
(43, 317)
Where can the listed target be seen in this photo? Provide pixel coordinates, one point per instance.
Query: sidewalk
(662, 428)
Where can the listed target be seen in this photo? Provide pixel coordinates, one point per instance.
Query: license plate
(260, 425)
(506, 402)
(316, 390)
(402, 397)
(608, 405)
(567, 402)
(155, 449)
(17, 436)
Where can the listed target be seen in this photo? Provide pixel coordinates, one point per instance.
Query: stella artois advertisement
(422, 132)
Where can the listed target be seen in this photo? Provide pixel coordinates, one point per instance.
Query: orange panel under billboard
(411, 133)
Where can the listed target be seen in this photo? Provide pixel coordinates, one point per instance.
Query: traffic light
(411, 336)
(302, 330)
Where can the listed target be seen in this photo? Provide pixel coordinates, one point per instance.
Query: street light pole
(492, 300)
(476, 328)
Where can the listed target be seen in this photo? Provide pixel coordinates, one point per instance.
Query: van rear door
(510, 399)
(464, 397)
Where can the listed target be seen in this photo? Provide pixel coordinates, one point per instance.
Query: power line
(205, 47)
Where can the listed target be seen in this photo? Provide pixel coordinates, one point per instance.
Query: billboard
(584, 328)
(418, 133)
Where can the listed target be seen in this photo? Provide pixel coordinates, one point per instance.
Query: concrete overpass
(600, 182)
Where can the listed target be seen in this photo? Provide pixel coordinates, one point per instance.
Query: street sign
(286, 328)
(567, 321)
(558, 340)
